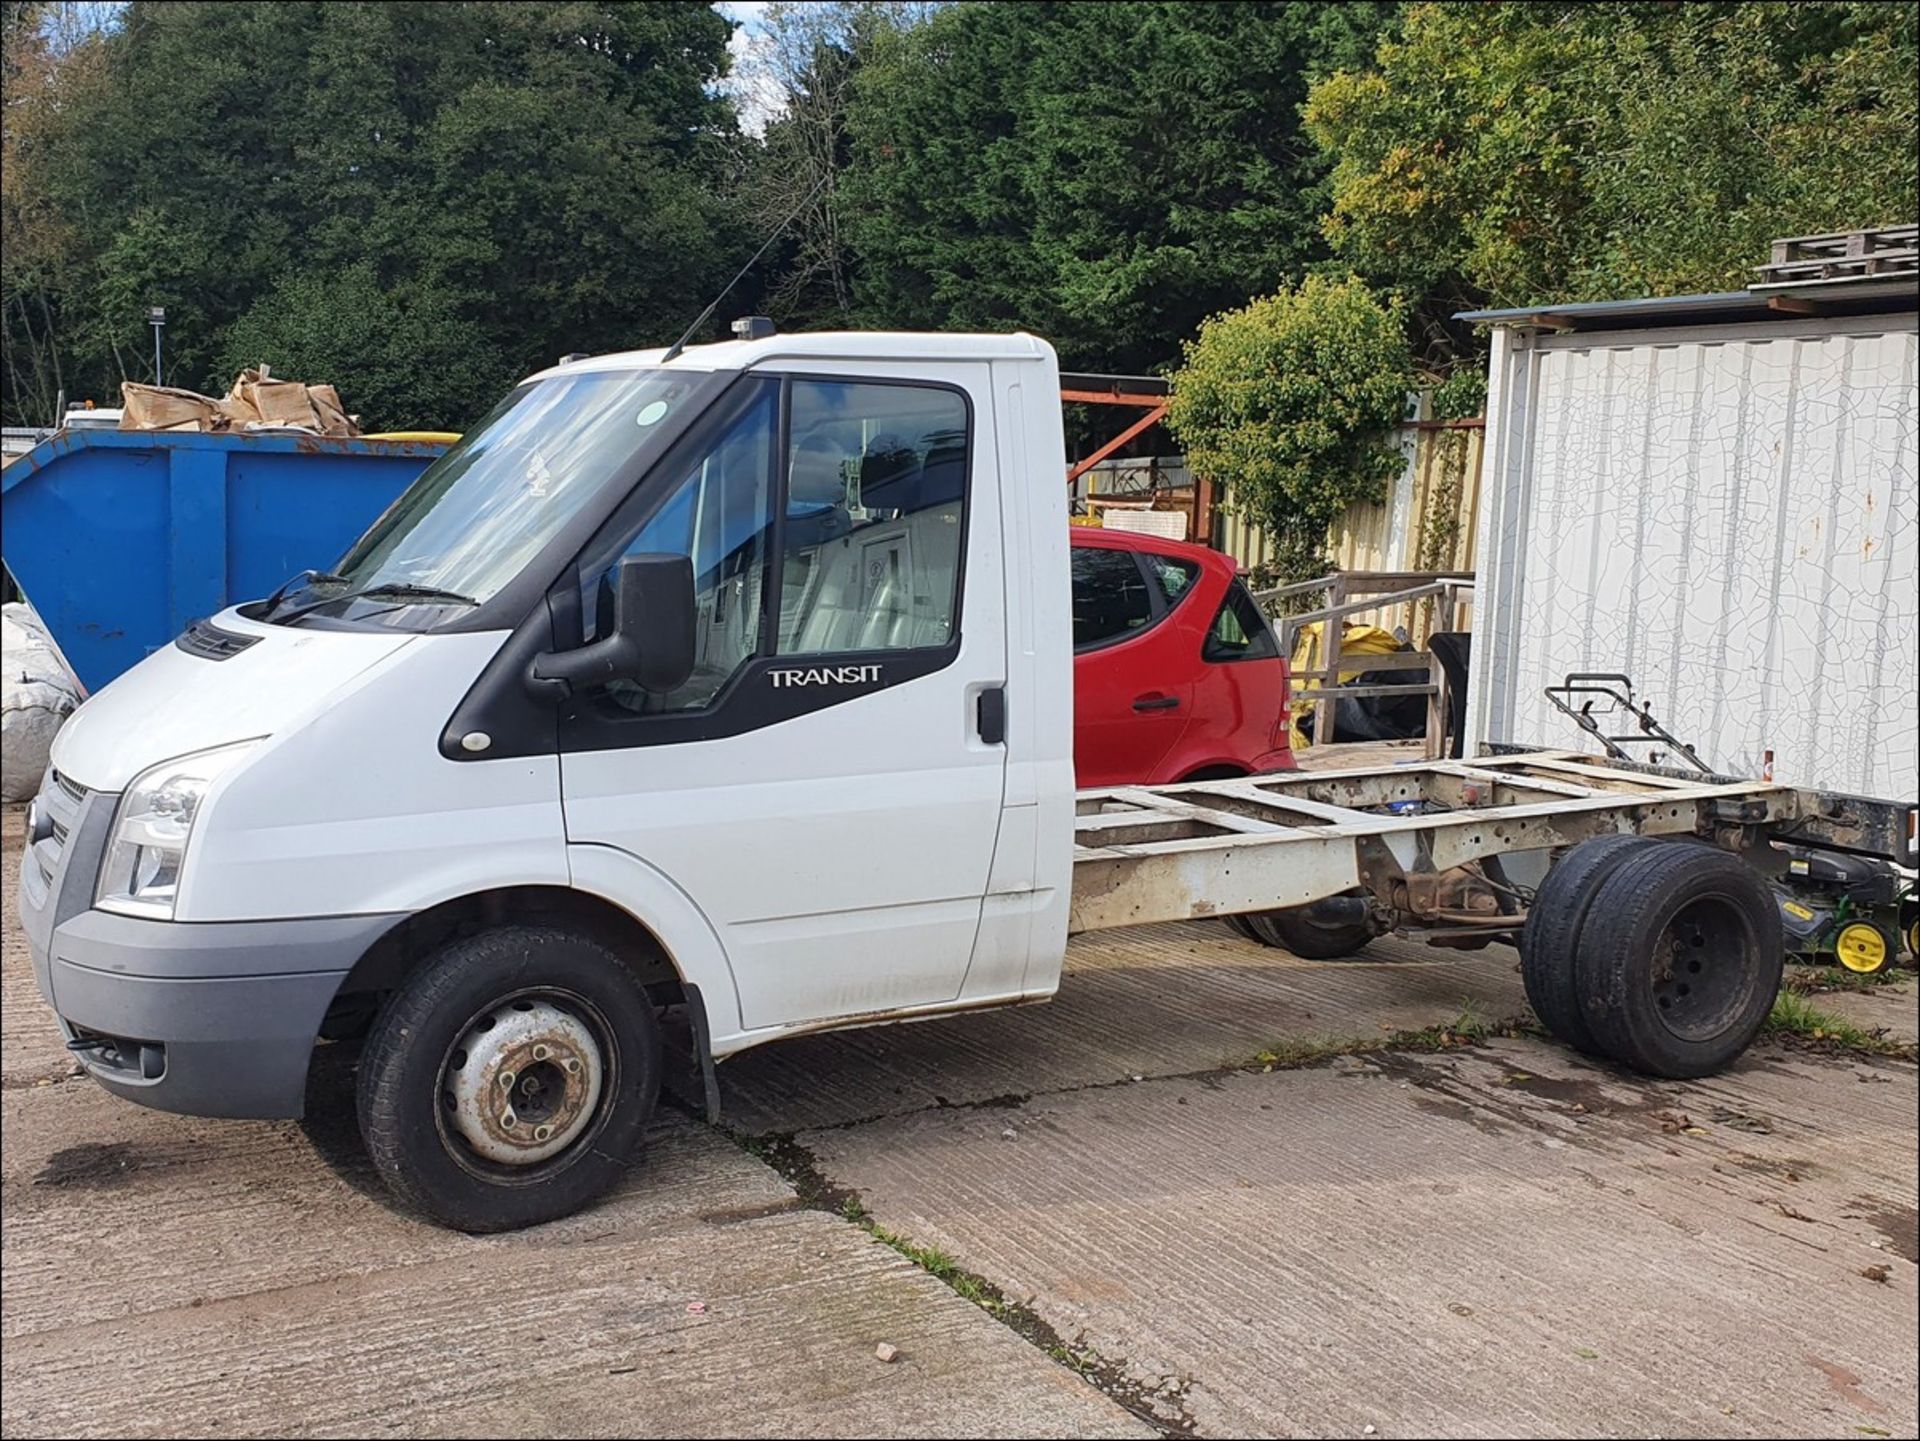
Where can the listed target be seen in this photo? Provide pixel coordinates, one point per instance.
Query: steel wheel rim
(1703, 968)
(527, 1083)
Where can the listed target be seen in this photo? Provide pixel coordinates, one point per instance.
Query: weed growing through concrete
(1797, 1020)
(1811, 980)
(1467, 1029)
(797, 1164)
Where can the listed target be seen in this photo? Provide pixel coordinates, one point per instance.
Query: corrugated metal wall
(1731, 516)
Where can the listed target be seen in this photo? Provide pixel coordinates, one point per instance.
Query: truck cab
(738, 678)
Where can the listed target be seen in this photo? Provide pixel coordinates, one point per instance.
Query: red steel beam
(1108, 397)
(1152, 418)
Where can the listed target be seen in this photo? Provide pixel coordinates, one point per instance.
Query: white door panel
(842, 870)
(842, 853)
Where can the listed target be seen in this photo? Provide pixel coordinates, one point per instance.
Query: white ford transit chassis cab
(740, 680)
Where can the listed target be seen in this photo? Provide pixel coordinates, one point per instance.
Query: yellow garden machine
(1860, 910)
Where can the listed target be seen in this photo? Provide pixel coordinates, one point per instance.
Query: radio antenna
(681, 344)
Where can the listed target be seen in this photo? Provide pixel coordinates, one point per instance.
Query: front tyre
(510, 1079)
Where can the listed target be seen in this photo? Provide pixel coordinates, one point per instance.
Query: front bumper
(209, 1019)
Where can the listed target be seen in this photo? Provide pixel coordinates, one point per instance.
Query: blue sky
(754, 104)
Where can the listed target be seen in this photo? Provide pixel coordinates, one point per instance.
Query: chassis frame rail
(1213, 848)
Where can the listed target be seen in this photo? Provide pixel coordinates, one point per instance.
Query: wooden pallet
(1847, 255)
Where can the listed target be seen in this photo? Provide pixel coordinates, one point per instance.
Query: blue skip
(121, 539)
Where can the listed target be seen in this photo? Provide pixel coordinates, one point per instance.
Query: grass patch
(1465, 1030)
(1797, 1020)
(943, 1268)
(797, 1164)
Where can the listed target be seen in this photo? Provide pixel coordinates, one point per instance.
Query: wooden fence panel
(1427, 521)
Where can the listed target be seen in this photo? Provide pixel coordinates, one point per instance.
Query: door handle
(990, 716)
(1157, 702)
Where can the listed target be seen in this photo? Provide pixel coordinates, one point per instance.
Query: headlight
(142, 874)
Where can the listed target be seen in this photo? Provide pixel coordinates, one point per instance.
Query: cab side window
(719, 512)
(875, 509)
(849, 542)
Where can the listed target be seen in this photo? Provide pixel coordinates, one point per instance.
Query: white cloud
(756, 95)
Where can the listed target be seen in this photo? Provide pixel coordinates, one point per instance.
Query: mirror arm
(650, 585)
(556, 675)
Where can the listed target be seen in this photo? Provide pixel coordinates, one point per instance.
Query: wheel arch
(615, 898)
(1221, 770)
(406, 945)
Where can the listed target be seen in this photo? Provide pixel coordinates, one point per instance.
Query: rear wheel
(510, 1079)
(1679, 960)
(1553, 926)
(1314, 932)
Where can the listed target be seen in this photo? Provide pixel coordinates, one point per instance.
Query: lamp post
(157, 318)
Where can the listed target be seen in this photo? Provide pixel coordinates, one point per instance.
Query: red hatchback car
(1176, 674)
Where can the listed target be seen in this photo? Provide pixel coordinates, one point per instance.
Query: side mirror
(652, 639)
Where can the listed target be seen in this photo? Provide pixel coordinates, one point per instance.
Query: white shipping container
(1727, 513)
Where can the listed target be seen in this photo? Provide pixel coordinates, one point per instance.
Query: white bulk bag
(37, 693)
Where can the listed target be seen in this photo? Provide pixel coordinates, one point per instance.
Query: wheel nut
(540, 1133)
(506, 1080)
(573, 1066)
(540, 1053)
(509, 1120)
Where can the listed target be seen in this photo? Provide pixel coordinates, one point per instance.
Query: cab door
(820, 787)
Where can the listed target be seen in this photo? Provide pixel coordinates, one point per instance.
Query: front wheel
(509, 1080)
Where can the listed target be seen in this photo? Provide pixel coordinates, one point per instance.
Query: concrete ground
(1484, 1240)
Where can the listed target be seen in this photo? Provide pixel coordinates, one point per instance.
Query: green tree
(1105, 175)
(45, 64)
(799, 78)
(1518, 153)
(529, 178)
(1290, 404)
(411, 356)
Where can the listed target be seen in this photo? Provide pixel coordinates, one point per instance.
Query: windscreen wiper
(396, 590)
(303, 579)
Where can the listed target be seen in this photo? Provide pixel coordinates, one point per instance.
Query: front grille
(60, 803)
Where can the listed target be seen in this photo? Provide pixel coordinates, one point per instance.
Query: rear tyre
(510, 1079)
(1679, 961)
(1553, 926)
(1306, 932)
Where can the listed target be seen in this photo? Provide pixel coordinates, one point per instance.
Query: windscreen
(480, 513)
